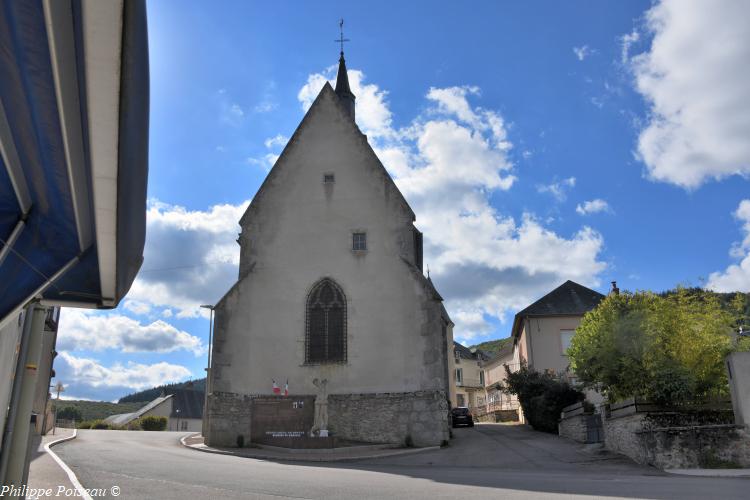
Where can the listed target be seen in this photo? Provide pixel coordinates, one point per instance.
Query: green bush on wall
(152, 423)
(542, 396)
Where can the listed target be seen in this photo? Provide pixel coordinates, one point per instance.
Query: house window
(329, 178)
(566, 336)
(481, 378)
(359, 242)
(459, 376)
(325, 324)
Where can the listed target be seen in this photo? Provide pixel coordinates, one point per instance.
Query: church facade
(330, 291)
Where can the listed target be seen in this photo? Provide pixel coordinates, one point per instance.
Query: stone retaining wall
(574, 428)
(669, 439)
(407, 418)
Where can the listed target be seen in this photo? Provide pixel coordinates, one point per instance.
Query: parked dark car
(461, 415)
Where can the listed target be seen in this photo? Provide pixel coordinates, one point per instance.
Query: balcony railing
(470, 383)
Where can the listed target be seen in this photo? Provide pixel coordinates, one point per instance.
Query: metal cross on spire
(341, 40)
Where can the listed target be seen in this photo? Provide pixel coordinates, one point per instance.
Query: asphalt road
(488, 461)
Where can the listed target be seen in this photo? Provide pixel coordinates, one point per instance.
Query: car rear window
(460, 411)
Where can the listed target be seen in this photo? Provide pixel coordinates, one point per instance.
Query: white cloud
(137, 307)
(593, 206)
(97, 331)
(559, 190)
(265, 106)
(626, 41)
(448, 162)
(583, 52)
(736, 277)
(86, 378)
(695, 78)
(230, 113)
(191, 256)
(276, 141)
(266, 162)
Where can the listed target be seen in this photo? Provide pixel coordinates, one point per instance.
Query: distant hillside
(492, 346)
(94, 410)
(150, 394)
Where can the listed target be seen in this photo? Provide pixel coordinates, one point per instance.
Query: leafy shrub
(666, 348)
(99, 424)
(133, 425)
(86, 424)
(542, 396)
(152, 423)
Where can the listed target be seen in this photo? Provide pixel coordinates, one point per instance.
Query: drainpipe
(14, 465)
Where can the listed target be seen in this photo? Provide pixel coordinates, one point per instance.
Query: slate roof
(569, 299)
(465, 352)
(188, 401)
(126, 418)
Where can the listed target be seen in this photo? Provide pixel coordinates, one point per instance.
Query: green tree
(69, 413)
(668, 348)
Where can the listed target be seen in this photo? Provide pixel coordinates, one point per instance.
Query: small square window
(359, 241)
(329, 178)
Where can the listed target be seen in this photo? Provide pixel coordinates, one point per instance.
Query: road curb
(289, 457)
(71, 475)
(709, 472)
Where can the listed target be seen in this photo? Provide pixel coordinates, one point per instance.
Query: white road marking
(71, 475)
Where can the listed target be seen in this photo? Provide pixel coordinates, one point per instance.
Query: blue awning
(74, 89)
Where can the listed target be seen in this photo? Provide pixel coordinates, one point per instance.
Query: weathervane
(341, 40)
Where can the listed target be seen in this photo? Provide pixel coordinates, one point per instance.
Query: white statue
(320, 424)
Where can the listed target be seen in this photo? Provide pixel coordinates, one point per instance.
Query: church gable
(327, 121)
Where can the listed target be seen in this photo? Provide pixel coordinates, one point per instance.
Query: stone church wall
(408, 418)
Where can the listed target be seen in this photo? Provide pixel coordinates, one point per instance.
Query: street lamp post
(208, 367)
(59, 388)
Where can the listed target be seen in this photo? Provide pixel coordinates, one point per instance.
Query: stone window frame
(308, 334)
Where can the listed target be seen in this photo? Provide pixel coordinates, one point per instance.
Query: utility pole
(204, 423)
(59, 388)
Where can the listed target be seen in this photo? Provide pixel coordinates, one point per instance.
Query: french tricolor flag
(276, 388)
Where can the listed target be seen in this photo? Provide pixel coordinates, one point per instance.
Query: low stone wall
(418, 418)
(406, 418)
(671, 439)
(574, 428)
(498, 416)
(229, 416)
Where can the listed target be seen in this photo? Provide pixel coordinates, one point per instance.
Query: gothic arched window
(325, 318)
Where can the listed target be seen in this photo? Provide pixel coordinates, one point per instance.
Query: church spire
(342, 79)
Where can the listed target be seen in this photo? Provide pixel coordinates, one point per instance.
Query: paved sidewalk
(346, 454)
(44, 471)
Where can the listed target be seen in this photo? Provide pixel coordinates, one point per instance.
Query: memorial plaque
(280, 420)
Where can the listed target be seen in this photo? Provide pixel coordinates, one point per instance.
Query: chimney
(615, 290)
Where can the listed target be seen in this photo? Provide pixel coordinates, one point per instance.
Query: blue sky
(536, 141)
